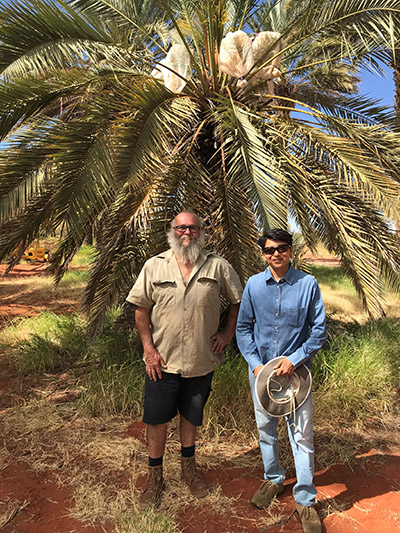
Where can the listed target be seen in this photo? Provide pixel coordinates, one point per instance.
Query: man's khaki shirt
(184, 317)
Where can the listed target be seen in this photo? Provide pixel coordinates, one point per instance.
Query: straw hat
(282, 395)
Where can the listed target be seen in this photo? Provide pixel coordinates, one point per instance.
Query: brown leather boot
(309, 519)
(154, 487)
(265, 494)
(197, 485)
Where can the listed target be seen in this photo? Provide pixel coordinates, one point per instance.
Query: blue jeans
(300, 429)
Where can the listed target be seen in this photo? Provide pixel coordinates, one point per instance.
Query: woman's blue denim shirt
(285, 318)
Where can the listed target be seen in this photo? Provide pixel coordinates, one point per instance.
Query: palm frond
(93, 140)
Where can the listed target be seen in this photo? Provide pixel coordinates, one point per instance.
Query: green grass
(110, 370)
(229, 388)
(357, 371)
(84, 257)
(111, 389)
(332, 277)
(74, 277)
(355, 378)
(46, 342)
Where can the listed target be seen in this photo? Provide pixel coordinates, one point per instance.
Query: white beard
(186, 254)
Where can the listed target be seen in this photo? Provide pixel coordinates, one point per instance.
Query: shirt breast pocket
(294, 316)
(164, 292)
(207, 292)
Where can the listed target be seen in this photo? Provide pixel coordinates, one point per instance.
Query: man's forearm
(232, 318)
(153, 359)
(142, 321)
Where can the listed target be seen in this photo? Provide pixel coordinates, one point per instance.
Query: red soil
(368, 493)
(47, 504)
(13, 305)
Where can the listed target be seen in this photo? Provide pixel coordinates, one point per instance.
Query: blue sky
(378, 87)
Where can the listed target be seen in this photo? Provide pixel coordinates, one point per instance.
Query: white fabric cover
(178, 60)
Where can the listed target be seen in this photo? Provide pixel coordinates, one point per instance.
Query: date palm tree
(396, 77)
(94, 138)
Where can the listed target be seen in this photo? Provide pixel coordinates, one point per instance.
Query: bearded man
(177, 299)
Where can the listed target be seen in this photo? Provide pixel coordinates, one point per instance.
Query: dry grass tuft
(5, 458)
(105, 468)
(97, 502)
(152, 521)
(242, 453)
(330, 506)
(111, 453)
(9, 508)
(275, 515)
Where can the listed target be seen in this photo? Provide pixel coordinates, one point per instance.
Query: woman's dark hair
(275, 234)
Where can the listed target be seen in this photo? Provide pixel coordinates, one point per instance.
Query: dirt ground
(362, 498)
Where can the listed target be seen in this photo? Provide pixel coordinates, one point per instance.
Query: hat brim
(282, 408)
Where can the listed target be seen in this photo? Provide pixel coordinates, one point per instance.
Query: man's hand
(219, 341)
(257, 370)
(152, 357)
(154, 362)
(222, 338)
(284, 368)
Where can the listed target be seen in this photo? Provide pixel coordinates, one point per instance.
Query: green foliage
(333, 277)
(359, 369)
(230, 406)
(84, 256)
(113, 381)
(73, 277)
(114, 388)
(53, 342)
(95, 142)
(354, 375)
(110, 369)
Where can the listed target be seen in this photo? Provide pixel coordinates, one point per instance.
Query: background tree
(93, 138)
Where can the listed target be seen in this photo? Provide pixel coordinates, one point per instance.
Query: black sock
(187, 451)
(155, 461)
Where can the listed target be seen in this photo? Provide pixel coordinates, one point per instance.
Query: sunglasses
(282, 248)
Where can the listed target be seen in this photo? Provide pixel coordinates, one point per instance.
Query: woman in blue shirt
(282, 314)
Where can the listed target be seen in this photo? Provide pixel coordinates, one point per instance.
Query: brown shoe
(154, 487)
(197, 485)
(265, 494)
(309, 519)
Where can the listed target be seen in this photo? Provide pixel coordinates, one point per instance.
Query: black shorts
(171, 394)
